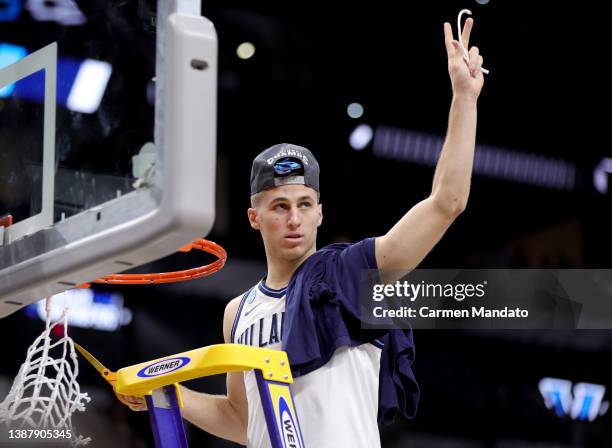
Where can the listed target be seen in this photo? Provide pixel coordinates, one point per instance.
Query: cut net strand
(45, 392)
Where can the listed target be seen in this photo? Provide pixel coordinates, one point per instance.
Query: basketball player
(347, 380)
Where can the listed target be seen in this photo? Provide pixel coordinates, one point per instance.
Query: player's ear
(253, 217)
(320, 214)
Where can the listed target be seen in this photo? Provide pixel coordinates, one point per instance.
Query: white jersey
(337, 404)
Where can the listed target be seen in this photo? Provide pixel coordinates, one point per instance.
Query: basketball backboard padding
(175, 208)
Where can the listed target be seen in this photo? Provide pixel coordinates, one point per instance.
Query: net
(45, 392)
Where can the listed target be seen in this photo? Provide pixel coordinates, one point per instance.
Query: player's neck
(281, 270)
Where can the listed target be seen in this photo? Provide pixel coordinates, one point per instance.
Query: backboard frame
(43, 59)
(175, 204)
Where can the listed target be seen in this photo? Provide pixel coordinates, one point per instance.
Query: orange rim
(171, 277)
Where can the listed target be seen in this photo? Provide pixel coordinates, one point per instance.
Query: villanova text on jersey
(267, 330)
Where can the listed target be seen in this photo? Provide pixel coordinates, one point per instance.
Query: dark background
(547, 94)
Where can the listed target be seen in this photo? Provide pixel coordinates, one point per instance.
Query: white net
(45, 392)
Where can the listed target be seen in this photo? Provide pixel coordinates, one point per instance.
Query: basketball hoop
(28, 403)
(171, 277)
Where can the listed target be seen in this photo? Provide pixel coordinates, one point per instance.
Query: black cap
(284, 164)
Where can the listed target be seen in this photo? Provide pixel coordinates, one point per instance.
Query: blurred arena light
(354, 110)
(245, 50)
(586, 402)
(86, 309)
(82, 86)
(600, 175)
(9, 54)
(557, 395)
(360, 137)
(482, 2)
(64, 12)
(491, 161)
(89, 86)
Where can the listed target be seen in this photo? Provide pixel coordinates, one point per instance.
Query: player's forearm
(451, 184)
(214, 414)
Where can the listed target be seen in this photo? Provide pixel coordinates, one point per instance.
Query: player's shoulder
(231, 311)
(233, 305)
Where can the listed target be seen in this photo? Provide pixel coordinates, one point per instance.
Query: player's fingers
(479, 62)
(135, 400)
(138, 408)
(448, 38)
(473, 56)
(134, 403)
(467, 30)
(132, 400)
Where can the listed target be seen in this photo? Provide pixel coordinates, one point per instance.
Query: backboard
(107, 139)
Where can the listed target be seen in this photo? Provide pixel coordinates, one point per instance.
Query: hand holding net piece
(466, 56)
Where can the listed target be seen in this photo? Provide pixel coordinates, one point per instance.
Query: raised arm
(403, 247)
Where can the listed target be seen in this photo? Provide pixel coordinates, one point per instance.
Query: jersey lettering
(273, 330)
(267, 330)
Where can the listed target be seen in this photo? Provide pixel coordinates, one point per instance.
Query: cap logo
(288, 167)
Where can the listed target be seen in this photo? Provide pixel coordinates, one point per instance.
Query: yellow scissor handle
(108, 375)
(111, 377)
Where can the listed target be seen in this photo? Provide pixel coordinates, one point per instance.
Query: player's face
(288, 218)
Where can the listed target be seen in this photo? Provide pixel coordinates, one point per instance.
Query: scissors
(109, 376)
